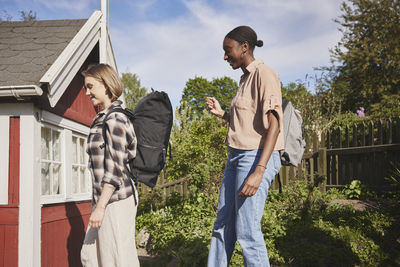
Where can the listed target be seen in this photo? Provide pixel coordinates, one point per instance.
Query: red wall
(9, 213)
(62, 233)
(74, 104)
(78, 106)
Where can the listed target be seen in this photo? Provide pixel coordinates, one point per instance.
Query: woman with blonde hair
(110, 236)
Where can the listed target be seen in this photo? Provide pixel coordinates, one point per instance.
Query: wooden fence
(366, 152)
(166, 187)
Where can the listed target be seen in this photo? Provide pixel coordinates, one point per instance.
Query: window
(63, 162)
(51, 163)
(80, 172)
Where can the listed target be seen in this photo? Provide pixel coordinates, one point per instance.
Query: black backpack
(152, 122)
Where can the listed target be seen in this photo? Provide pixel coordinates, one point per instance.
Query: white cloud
(142, 6)
(165, 55)
(166, 52)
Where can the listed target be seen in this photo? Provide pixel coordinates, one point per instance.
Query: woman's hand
(252, 183)
(214, 107)
(97, 216)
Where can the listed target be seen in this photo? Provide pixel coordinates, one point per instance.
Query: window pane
(74, 150)
(83, 180)
(45, 143)
(56, 178)
(56, 146)
(82, 151)
(75, 179)
(45, 178)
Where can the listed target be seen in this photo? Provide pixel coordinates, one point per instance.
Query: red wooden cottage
(45, 187)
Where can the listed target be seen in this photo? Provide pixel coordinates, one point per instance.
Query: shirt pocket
(242, 103)
(95, 140)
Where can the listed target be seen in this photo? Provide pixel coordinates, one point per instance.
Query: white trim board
(63, 122)
(65, 67)
(4, 158)
(29, 193)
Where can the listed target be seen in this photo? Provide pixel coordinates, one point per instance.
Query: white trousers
(113, 244)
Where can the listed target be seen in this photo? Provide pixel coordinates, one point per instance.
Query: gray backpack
(293, 135)
(292, 154)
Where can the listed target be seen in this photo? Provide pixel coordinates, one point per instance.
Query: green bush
(199, 152)
(182, 230)
(301, 227)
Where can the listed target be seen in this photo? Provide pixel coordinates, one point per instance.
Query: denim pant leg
(224, 236)
(249, 210)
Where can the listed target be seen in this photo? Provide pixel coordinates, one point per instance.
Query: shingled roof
(28, 49)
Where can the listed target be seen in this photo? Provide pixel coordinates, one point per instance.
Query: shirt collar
(116, 103)
(253, 65)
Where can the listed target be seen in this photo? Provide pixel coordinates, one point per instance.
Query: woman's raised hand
(214, 107)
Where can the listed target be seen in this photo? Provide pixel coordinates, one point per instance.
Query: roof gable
(51, 71)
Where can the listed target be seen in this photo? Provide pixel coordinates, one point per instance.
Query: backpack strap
(105, 127)
(104, 132)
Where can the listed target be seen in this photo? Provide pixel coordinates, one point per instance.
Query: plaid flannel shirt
(106, 164)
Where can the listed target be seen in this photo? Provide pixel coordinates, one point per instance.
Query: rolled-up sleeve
(120, 146)
(270, 95)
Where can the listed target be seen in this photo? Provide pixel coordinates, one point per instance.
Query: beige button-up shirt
(258, 93)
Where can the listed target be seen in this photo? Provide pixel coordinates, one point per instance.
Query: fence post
(389, 139)
(346, 138)
(355, 143)
(322, 166)
(380, 133)
(363, 134)
(397, 133)
(371, 133)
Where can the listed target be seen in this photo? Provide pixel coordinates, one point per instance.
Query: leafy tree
(133, 91)
(317, 110)
(198, 149)
(366, 61)
(388, 107)
(197, 89)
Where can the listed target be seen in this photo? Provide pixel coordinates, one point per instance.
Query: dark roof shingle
(28, 49)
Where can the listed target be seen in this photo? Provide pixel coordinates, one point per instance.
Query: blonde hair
(108, 76)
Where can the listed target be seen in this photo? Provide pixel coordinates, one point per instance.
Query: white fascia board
(65, 67)
(110, 55)
(17, 109)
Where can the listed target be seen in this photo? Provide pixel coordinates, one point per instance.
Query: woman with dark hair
(255, 136)
(110, 236)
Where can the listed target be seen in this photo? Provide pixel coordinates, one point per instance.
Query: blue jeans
(240, 218)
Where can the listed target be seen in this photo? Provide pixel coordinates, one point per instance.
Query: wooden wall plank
(9, 216)
(14, 153)
(63, 231)
(11, 245)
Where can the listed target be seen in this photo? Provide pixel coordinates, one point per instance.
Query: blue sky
(166, 42)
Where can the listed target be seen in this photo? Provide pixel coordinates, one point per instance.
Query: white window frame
(61, 195)
(68, 128)
(85, 164)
